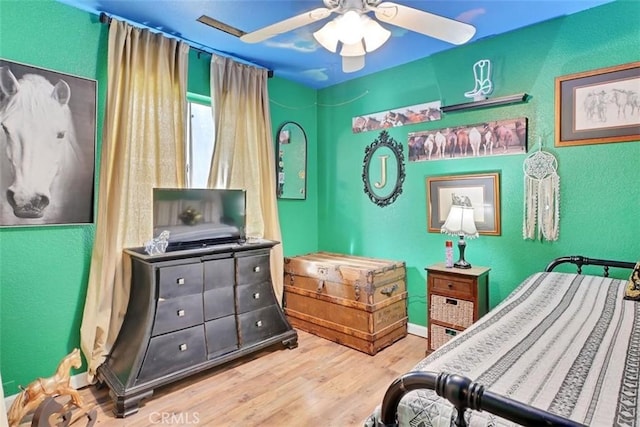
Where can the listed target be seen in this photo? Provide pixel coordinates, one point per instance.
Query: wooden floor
(320, 383)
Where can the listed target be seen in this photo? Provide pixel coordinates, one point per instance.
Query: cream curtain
(244, 155)
(143, 146)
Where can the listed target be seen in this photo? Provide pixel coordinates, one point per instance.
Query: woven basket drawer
(454, 311)
(439, 335)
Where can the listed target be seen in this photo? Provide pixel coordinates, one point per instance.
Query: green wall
(44, 270)
(298, 218)
(600, 195)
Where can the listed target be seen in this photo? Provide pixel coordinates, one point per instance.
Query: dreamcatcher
(541, 196)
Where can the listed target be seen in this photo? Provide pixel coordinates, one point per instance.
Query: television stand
(190, 311)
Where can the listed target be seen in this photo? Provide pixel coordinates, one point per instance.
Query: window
(201, 140)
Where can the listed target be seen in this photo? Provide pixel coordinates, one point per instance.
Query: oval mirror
(291, 161)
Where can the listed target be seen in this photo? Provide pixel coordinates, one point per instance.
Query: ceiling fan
(360, 34)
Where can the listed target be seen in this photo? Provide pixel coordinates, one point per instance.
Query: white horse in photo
(475, 139)
(428, 145)
(488, 141)
(441, 142)
(41, 165)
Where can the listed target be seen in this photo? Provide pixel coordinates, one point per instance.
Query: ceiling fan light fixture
(327, 36)
(354, 49)
(350, 27)
(375, 35)
(351, 64)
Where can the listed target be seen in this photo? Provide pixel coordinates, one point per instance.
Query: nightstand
(457, 298)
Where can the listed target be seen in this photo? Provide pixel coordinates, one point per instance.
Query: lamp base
(461, 263)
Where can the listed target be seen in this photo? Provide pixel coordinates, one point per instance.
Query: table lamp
(460, 223)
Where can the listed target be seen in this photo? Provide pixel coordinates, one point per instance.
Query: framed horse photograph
(490, 138)
(419, 113)
(47, 146)
(598, 106)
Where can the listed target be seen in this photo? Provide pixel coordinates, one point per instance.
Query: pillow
(633, 286)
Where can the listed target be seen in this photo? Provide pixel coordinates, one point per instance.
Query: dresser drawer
(456, 312)
(219, 302)
(253, 269)
(172, 352)
(222, 336)
(448, 285)
(252, 297)
(176, 280)
(219, 273)
(177, 313)
(260, 324)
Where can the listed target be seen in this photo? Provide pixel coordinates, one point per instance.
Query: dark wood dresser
(189, 311)
(457, 298)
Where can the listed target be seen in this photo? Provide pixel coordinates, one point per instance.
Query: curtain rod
(106, 19)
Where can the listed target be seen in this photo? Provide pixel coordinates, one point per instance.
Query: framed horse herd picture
(47, 146)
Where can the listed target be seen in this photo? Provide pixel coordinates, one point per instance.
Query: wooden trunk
(355, 301)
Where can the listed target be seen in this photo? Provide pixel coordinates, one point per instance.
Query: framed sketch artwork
(598, 106)
(482, 190)
(47, 146)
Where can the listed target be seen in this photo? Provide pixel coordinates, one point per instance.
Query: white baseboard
(77, 381)
(418, 330)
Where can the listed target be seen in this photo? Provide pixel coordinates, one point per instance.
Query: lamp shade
(351, 64)
(374, 34)
(355, 49)
(327, 36)
(460, 222)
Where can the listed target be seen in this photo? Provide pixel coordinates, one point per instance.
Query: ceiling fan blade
(286, 25)
(426, 23)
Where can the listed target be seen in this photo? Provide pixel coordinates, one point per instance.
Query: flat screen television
(199, 217)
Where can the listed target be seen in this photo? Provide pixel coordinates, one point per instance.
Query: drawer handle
(256, 269)
(356, 294)
(180, 281)
(259, 323)
(450, 285)
(451, 332)
(180, 313)
(389, 290)
(451, 301)
(256, 295)
(182, 347)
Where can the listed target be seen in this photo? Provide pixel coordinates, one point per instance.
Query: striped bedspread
(565, 343)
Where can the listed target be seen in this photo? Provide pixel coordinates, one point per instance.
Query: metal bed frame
(465, 394)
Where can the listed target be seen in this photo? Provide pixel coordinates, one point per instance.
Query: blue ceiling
(295, 55)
